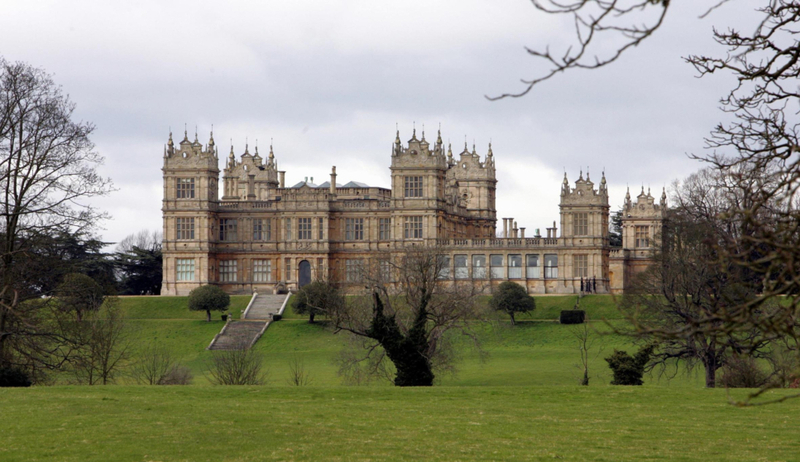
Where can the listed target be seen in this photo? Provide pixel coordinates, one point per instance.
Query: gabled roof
(355, 184)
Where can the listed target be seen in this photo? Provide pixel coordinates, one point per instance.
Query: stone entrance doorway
(305, 273)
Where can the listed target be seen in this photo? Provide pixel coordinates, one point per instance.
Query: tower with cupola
(473, 183)
(584, 229)
(418, 187)
(190, 175)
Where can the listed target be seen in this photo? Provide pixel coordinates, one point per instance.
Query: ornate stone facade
(641, 231)
(262, 232)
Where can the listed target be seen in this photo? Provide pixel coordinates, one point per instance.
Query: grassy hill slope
(538, 351)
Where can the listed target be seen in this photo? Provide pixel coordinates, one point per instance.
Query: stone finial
(211, 139)
(397, 137)
(663, 197)
(439, 135)
(490, 154)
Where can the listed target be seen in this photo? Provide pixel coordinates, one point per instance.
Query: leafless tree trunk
(585, 341)
(47, 169)
(410, 315)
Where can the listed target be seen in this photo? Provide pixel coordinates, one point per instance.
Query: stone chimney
(282, 179)
(333, 180)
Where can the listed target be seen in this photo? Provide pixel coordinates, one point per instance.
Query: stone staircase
(264, 306)
(243, 334)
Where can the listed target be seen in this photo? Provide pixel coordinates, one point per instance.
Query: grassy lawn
(520, 402)
(537, 352)
(123, 423)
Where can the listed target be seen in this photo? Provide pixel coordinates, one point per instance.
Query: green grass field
(122, 423)
(520, 402)
(538, 351)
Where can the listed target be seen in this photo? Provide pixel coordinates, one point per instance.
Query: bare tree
(155, 365)
(585, 340)
(299, 376)
(238, 366)
(47, 169)
(756, 154)
(687, 301)
(143, 239)
(104, 346)
(409, 316)
(625, 23)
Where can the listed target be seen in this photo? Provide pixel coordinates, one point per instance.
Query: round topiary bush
(208, 298)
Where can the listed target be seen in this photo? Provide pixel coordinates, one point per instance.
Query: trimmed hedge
(572, 316)
(14, 377)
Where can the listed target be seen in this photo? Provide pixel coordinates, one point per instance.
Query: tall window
(287, 269)
(352, 270)
(515, 266)
(532, 268)
(580, 263)
(479, 266)
(320, 228)
(412, 228)
(227, 229)
(444, 266)
(354, 229)
(496, 264)
(262, 270)
(258, 230)
(642, 234)
(550, 266)
(385, 230)
(268, 235)
(185, 188)
(227, 271)
(386, 270)
(413, 186)
(184, 269)
(288, 233)
(580, 224)
(184, 228)
(460, 263)
(304, 228)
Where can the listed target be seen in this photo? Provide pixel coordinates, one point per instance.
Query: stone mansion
(261, 233)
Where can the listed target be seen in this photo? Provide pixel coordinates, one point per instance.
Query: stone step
(264, 306)
(238, 335)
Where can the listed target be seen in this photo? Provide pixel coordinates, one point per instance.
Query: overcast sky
(329, 81)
